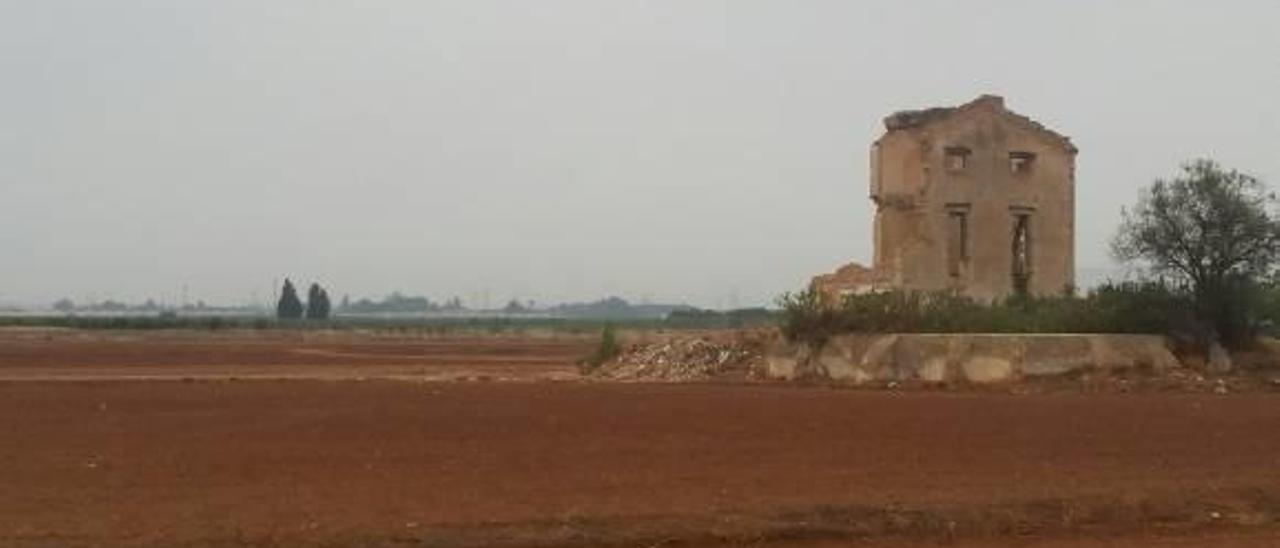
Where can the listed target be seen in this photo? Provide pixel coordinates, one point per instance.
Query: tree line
(318, 306)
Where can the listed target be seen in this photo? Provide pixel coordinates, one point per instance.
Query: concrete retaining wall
(976, 358)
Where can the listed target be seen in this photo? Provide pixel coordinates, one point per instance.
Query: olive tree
(1213, 233)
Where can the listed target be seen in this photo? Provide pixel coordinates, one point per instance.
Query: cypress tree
(289, 307)
(317, 303)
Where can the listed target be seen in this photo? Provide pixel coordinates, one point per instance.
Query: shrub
(606, 350)
(1112, 308)
(806, 320)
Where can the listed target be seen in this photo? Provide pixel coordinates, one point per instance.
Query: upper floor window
(957, 158)
(1021, 162)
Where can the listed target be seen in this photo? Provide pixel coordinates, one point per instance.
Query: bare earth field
(53, 354)
(103, 442)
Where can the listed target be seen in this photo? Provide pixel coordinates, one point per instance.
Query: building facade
(975, 199)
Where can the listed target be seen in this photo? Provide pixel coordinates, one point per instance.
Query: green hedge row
(1116, 308)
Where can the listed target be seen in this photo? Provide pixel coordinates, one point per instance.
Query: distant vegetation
(616, 308)
(397, 303)
(419, 325)
(575, 318)
(148, 308)
(160, 321)
(396, 311)
(727, 319)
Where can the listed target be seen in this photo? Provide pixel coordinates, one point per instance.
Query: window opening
(957, 158)
(1021, 162)
(1021, 252)
(958, 242)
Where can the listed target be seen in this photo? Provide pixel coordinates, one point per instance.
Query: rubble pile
(684, 359)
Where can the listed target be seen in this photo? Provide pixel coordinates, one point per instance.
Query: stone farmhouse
(975, 198)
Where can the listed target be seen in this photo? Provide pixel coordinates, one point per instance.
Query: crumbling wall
(918, 189)
(850, 279)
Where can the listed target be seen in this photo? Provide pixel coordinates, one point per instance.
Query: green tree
(1211, 232)
(317, 303)
(289, 307)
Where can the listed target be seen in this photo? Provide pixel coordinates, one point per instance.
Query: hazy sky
(713, 152)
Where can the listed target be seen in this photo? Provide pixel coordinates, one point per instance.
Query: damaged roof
(909, 119)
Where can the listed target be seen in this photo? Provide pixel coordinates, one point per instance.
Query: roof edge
(911, 119)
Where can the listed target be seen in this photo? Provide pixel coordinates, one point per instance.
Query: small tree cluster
(290, 307)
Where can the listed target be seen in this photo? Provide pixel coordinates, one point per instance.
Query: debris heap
(684, 359)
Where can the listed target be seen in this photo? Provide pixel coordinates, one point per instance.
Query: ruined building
(974, 198)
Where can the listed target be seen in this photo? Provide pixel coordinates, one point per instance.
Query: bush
(608, 349)
(1112, 308)
(805, 319)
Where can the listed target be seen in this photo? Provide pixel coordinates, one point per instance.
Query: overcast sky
(713, 152)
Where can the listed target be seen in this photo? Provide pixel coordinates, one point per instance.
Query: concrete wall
(975, 358)
(915, 191)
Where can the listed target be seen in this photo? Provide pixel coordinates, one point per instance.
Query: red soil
(309, 462)
(189, 461)
(54, 354)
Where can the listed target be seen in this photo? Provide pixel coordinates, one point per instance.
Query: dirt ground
(56, 354)
(336, 462)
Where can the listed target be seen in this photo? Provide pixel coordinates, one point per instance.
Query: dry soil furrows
(165, 463)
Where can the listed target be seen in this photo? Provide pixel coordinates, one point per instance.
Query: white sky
(713, 152)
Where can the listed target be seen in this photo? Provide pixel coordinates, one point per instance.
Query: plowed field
(329, 460)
